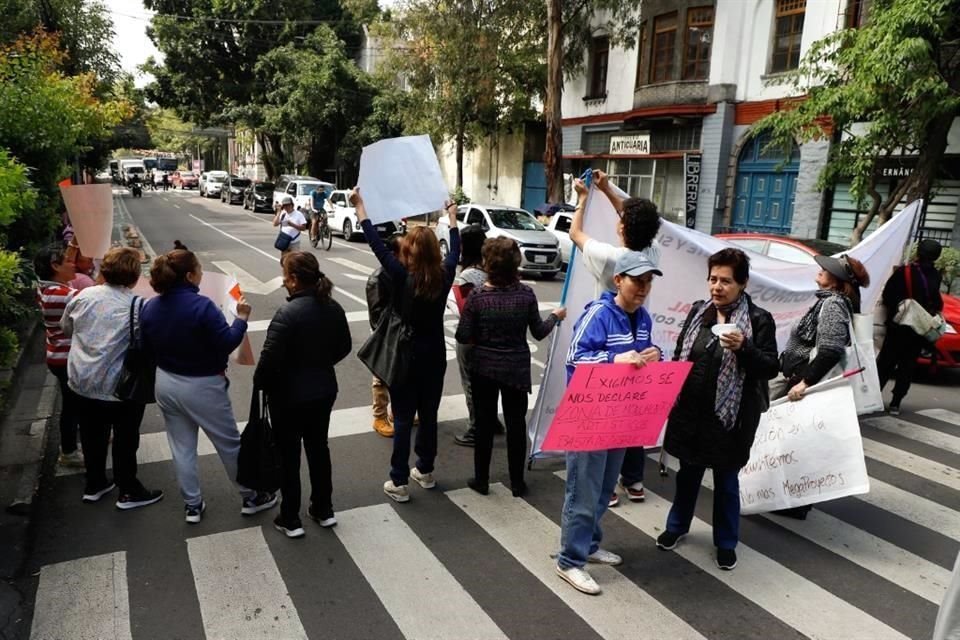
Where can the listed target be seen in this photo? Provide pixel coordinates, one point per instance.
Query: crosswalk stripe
(874, 554)
(400, 567)
(916, 432)
(912, 463)
(761, 580)
(913, 508)
(83, 599)
(240, 589)
(531, 537)
(350, 264)
(943, 415)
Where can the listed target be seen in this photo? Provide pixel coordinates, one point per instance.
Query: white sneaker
(398, 494)
(579, 579)
(602, 556)
(425, 480)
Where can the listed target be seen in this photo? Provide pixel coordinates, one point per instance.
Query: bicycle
(320, 233)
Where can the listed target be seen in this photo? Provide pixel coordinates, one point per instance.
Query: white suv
(342, 216)
(299, 188)
(212, 182)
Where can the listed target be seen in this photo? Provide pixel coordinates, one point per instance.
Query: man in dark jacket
(920, 281)
(379, 297)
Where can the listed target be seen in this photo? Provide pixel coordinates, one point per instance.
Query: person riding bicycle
(317, 199)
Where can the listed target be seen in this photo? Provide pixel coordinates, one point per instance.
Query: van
(130, 168)
(299, 188)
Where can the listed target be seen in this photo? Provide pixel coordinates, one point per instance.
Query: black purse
(283, 241)
(258, 463)
(388, 352)
(139, 373)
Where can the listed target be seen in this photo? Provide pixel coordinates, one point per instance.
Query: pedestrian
(190, 340)
(84, 267)
(379, 292)
(471, 277)
(291, 222)
(637, 229)
(305, 339)
(55, 271)
(919, 281)
(97, 320)
(494, 323)
(165, 180)
(425, 276)
(714, 420)
(613, 328)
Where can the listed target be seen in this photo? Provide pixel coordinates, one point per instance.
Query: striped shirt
(52, 298)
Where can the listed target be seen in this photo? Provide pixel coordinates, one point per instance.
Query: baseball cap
(286, 200)
(635, 263)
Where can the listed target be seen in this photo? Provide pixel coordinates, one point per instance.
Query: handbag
(283, 241)
(139, 373)
(911, 313)
(258, 463)
(859, 354)
(388, 351)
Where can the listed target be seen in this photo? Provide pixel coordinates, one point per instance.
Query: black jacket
(379, 295)
(304, 340)
(895, 290)
(694, 433)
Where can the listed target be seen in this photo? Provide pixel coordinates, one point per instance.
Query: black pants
(898, 359)
(419, 395)
(308, 423)
(485, 394)
(69, 418)
(97, 419)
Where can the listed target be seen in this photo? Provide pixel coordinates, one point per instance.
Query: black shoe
(894, 409)
(668, 540)
(323, 518)
(193, 514)
(291, 529)
(93, 494)
(726, 559)
(260, 502)
(139, 498)
(797, 513)
(466, 439)
(480, 487)
(519, 489)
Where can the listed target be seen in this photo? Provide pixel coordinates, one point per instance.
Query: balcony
(679, 92)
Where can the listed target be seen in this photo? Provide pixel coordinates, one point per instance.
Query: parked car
(185, 180)
(342, 217)
(539, 249)
(211, 186)
(559, 226)
(258, 196)
(946, 351)
(233, 188)
(299, 188)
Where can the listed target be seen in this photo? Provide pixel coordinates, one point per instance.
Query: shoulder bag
(139, 373)
(911, 313)
(388, 352)
(258, 463)
(283, 241)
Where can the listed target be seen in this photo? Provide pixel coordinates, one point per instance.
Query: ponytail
(171, 269)
(305, 268)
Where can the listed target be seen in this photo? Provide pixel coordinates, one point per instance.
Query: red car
(802, 251)
(185, 180)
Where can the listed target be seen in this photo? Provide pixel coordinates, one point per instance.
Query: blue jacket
(604, 330)
(187, 334)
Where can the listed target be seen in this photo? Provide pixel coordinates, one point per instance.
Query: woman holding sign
(732, 345)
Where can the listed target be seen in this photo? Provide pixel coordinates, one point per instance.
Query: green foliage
(459, 197)
(16, 194)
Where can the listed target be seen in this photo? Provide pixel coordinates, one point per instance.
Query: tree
(890, 87)
(170, 133)
(571, 25)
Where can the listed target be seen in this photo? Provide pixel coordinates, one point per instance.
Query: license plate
(382, 229)
(540, 259)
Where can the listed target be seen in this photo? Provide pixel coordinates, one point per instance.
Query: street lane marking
(350, 264)
(85, 599)
(916, 432)
(423, 598)
(912, 463)
(176, 205)
(530, 537)
(249, 283)
(763, 581)
(240, 589)
(913, 508)
(950, 417)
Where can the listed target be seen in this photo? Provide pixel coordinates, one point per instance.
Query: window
(664, 43)
(475, 217)
(788, 31)
(855, 14)
(642, 57)
(600, 57)
(696, 54)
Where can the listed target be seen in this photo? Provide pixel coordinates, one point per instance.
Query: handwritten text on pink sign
(611, 406)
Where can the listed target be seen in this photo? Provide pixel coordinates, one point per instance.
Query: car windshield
(512, 219)
(216, 178)
(263, 187)
(240, 182)
(306, 188)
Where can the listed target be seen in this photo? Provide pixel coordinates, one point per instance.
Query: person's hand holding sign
(796, 392)
(650, 354)
(560, 312)
(357, 202)
(243, 308)
(635, 358)
(451, 208)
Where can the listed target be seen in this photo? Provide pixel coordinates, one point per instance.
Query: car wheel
(347, 230)
(444, 250)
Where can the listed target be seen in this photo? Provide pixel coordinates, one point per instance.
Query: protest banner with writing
(805, 452)
(612, 406)
(401, 177)
(90, 208)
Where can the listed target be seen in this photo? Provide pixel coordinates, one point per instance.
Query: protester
(920, 281)
(420, 272)
(494, 323)
(190, 341)
(471, 276)
(305, 339)
(97, 320)
(83, 266)
(714, 420)
(55, 270)
(637, 230)
(591, 475)
(291, 222)
(379, 297)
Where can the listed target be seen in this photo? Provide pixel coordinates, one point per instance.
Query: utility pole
(553, 156)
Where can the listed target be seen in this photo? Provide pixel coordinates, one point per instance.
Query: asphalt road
(450, 564)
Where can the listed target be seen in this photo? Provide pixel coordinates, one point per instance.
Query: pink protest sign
(612, 406)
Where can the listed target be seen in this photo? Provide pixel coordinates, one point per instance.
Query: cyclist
(317, 199)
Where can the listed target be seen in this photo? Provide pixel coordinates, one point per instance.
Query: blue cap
(635, 263)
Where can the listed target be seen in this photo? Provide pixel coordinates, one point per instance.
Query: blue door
(766, 188)
(534, 185)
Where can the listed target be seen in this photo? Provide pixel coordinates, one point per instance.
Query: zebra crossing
(455, 564)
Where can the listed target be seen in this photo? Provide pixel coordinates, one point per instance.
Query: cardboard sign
(612, 406)
(401, 177)
(805, 452)
(90, 208)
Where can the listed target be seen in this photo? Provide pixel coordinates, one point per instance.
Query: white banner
(401, 177)
(784, 289)
(805, 452)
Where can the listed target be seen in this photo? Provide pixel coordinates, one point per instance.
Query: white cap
(285, 200)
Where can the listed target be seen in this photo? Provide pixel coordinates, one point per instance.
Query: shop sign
(636, 144)
(691, 180)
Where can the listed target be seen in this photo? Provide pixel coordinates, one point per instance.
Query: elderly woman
(97, 321)
(715, 418)
(495, 320)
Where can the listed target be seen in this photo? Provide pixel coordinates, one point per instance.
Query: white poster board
(401, 177)
(805, 452)
(90, 208)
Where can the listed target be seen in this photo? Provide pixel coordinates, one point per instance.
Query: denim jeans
(726, 503)
(419, 395)
(591, 477)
